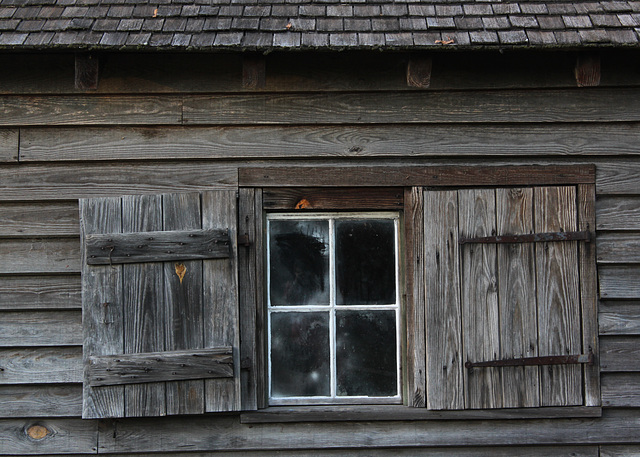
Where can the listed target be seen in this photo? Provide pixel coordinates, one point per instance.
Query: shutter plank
(558, 295)
(442, 301)
(480, 298)
(143, 305)
(183, 303)
(221, 321)
(101, 307)
(517, 297)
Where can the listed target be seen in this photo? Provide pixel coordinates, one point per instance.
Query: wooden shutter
(160, 309)
(496, 301)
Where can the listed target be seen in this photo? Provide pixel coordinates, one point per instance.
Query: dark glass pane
(365, 262)
(300, 355)
(299, 262)
(366, 353)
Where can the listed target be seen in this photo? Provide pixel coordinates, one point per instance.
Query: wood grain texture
(618, 213)
(524, 451)
(414, 261)
(619, 282)
(53, 182)
(586, 199)
(395, 107)
(517, 297)
(446, 176)
(620, 451)
(89, 110)
(40, 255)
(324, 199)
(443, 320)
(619, 318)
(40, 328)
(620, 354)
(479, 294)
(41, 365)
(261, 306)
(102, 308)
(109, 370)
(619, 247)
(621, 390)
(617, 178)
(243, 142)
(39, 219)
(63, 400)
(220, 285)
(9, 145)
(184, 323)
(224, 433)
(40, 292)
(558, 292)
(156, 246)
(378, 413)
(64, 436)
(143, 306)
(248, 277)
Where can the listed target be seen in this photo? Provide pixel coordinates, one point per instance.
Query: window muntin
(332, 278)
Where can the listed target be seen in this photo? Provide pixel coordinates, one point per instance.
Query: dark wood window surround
(401, 188)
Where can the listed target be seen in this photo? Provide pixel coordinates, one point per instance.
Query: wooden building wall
(185, 122)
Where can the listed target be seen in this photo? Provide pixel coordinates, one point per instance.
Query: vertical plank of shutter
(247, 299)
(480, 315)
(442, 301)
(517, 298)
(588, 291)
(221, 323)
(558, 295)
(416, 366)
(261, 387)
(183, 303)
(101, 307)
(143, 305)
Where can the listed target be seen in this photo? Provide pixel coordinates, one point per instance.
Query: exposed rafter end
(254, 72)
(87, 69)
(419, 72)
(588, 70)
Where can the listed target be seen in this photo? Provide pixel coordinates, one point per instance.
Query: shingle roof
(331, 24)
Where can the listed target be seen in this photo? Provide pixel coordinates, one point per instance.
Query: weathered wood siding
(184, 123)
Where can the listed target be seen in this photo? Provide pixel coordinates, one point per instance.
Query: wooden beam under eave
(87, 71)
(419, 72)
(254, 72)
(587, 70)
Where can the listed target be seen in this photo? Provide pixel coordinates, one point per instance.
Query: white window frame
(333, 307)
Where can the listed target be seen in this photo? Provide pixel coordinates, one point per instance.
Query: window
(333, 308)
(476, 271)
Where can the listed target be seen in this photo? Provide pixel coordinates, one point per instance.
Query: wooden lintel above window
(435, 176)
(87, 71)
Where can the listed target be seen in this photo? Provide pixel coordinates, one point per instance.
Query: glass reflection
(300, 354)
(299, 262)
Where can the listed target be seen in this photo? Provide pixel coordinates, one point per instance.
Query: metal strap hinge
(536, 361)
(243, 240)
(530, 238)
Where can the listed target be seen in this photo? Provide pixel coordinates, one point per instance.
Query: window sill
(336, 413)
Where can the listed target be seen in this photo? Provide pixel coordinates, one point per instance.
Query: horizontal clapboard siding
(619, 354)
(40, 255)
(618, 213)
(62, 400)
(9, 139)
(137, 143)
(41, 365)
(619, 318)
(33, 292)
(621, 390)
(24, 219)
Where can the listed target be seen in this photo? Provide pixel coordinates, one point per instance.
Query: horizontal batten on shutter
(535, 361)
(160, 366)
(138, 247)
(530, 238)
